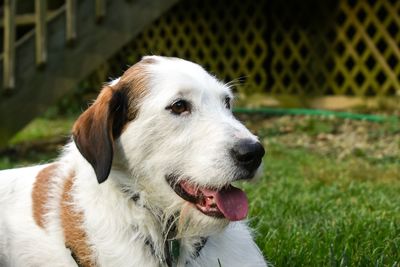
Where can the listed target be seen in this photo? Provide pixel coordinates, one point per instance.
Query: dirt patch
(337, 137)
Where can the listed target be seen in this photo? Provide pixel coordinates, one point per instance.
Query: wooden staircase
(64, 47)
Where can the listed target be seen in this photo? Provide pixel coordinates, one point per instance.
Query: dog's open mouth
(229, 202)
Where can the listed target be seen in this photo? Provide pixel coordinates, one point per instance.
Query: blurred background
(318, 81)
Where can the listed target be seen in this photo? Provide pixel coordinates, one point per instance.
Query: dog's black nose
(248, 154)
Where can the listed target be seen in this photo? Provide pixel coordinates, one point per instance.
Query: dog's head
(169, 123)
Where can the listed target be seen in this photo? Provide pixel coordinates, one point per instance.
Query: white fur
(156, 143)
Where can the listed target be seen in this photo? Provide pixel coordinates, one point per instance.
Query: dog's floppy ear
(96, 129)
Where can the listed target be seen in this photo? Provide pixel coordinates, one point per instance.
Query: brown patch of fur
(135, 81)
(74, 234)
(93, 134)
(96, 116)
(40, 193)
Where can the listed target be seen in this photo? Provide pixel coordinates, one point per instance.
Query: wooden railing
(9, 44)
(39, 19)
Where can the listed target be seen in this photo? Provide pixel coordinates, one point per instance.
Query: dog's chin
(194, 223)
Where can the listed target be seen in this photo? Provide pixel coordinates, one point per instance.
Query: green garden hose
(315, 112)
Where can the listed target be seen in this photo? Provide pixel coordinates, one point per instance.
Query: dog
(144, 181)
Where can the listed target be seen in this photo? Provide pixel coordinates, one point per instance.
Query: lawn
(310, 210)
(329, 196)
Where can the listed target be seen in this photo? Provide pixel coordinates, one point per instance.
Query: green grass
(42, 128)
(310, 210)
(39, 130)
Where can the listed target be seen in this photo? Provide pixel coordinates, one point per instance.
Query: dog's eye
(179, 107)
(228, 102)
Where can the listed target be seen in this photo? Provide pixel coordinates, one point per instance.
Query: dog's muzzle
(228, 202)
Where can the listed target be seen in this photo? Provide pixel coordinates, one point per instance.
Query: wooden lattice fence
(301, 49)
(352, 50)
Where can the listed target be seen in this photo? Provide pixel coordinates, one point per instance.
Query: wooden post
(41, 34)
(71, 21)
(9, 44)
(100, 10)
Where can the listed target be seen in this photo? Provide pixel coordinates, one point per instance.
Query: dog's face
(170, 124)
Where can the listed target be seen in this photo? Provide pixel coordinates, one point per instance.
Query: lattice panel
(297, 48)
(227, 37)
(352, 50)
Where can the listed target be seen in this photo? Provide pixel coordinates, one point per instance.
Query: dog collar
(173, 248)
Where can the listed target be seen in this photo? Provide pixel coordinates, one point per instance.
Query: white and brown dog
(146, 180)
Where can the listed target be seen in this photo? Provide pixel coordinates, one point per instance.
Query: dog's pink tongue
(231, 201)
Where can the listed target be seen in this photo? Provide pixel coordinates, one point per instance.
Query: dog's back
(15, 190)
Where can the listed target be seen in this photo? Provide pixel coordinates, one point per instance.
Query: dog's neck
(175, 247)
